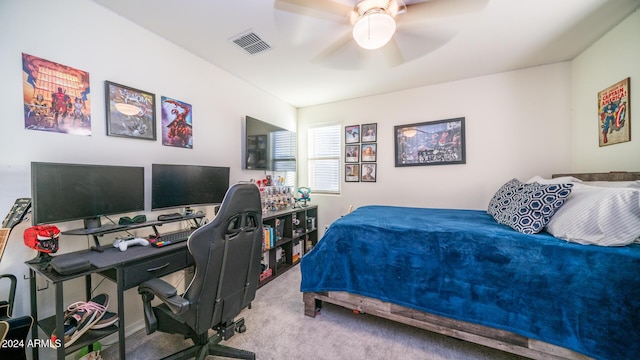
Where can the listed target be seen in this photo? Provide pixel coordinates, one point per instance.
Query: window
(324, 159)
(283, 150)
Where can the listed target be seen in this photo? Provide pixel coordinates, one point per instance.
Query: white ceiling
(306, 66)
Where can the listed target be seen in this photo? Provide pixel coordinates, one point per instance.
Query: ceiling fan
(400, 30)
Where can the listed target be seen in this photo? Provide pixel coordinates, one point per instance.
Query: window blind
(283, 150)
(324, 159)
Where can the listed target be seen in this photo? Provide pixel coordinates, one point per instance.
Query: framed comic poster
(430, 143)
(131, 112)
(614, 114)
(56, 97)
(352, 134)
(368, 172)
(369, 152)
(177, 123)
(369, 132)
(352, 173)
(352, 153)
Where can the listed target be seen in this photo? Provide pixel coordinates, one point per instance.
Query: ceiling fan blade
(327, 10)
(439, 9)
(341, 54)
(392, 53)
(414, 42)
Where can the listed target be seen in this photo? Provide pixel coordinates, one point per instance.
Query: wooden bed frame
(479, 334)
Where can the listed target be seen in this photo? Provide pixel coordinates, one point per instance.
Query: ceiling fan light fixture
(374, 29)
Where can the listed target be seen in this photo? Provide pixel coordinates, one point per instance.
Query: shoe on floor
(109, 318)
(81, 316)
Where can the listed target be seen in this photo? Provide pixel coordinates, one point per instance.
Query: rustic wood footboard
(479, 334)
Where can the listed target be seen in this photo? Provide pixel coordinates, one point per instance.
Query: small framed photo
(352, 173)
(130, 112)
(352, 134)
(352, 153)
(369, 132)
(369, 152)
(368, 173)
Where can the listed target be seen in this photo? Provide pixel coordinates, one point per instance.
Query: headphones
(138, 219)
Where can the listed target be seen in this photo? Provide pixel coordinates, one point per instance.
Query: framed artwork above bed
(439, 142)
(614, 114)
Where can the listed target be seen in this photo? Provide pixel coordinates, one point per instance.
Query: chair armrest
(167, 294)
(158, 287)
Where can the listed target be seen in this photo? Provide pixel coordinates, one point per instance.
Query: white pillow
(605, 216)
(558, 180)
(620, 184)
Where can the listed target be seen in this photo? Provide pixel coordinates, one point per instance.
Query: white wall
(614, 57)
(84, 35)
(517, 125)
(540, 120)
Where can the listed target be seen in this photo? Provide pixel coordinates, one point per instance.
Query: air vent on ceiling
(251, 43)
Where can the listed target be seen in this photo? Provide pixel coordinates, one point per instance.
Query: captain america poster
(614, 114)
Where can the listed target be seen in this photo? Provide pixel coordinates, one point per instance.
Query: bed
(462, 274)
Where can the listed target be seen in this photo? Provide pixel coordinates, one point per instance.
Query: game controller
(123, 244)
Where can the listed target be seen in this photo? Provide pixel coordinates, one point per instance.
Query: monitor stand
(92, 223)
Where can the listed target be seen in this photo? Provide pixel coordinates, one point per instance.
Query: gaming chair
(13, 329)
(227, 253)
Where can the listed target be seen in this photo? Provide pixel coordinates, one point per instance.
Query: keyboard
(171, 238)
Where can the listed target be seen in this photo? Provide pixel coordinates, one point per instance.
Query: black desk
(127, 269)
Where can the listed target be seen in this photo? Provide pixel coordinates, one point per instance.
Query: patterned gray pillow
(502, 198)
(532, 206)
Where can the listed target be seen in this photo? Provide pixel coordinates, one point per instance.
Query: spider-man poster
(56, 97)
(614, 114)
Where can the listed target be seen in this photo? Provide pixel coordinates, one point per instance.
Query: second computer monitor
(174, 186)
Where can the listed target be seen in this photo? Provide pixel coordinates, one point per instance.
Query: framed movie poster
(430, 143)
(56, 97)
(369, 132)
(368, 173)
(352, 173)
(130, 112)
(352, 134)
(614, 114)
(369, 152)
(352, 153)
(177, 124)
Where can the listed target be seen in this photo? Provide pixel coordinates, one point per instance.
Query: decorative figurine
(304, 196)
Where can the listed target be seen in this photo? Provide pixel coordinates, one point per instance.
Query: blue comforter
(463, 265)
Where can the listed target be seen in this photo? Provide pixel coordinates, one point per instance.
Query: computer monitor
(174, 186)
(64, 192)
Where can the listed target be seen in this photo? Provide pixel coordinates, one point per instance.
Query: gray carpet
(278, 329)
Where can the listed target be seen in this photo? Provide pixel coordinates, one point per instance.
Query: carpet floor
(278, 329)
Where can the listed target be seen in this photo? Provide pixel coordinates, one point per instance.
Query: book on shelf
(266, 238)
